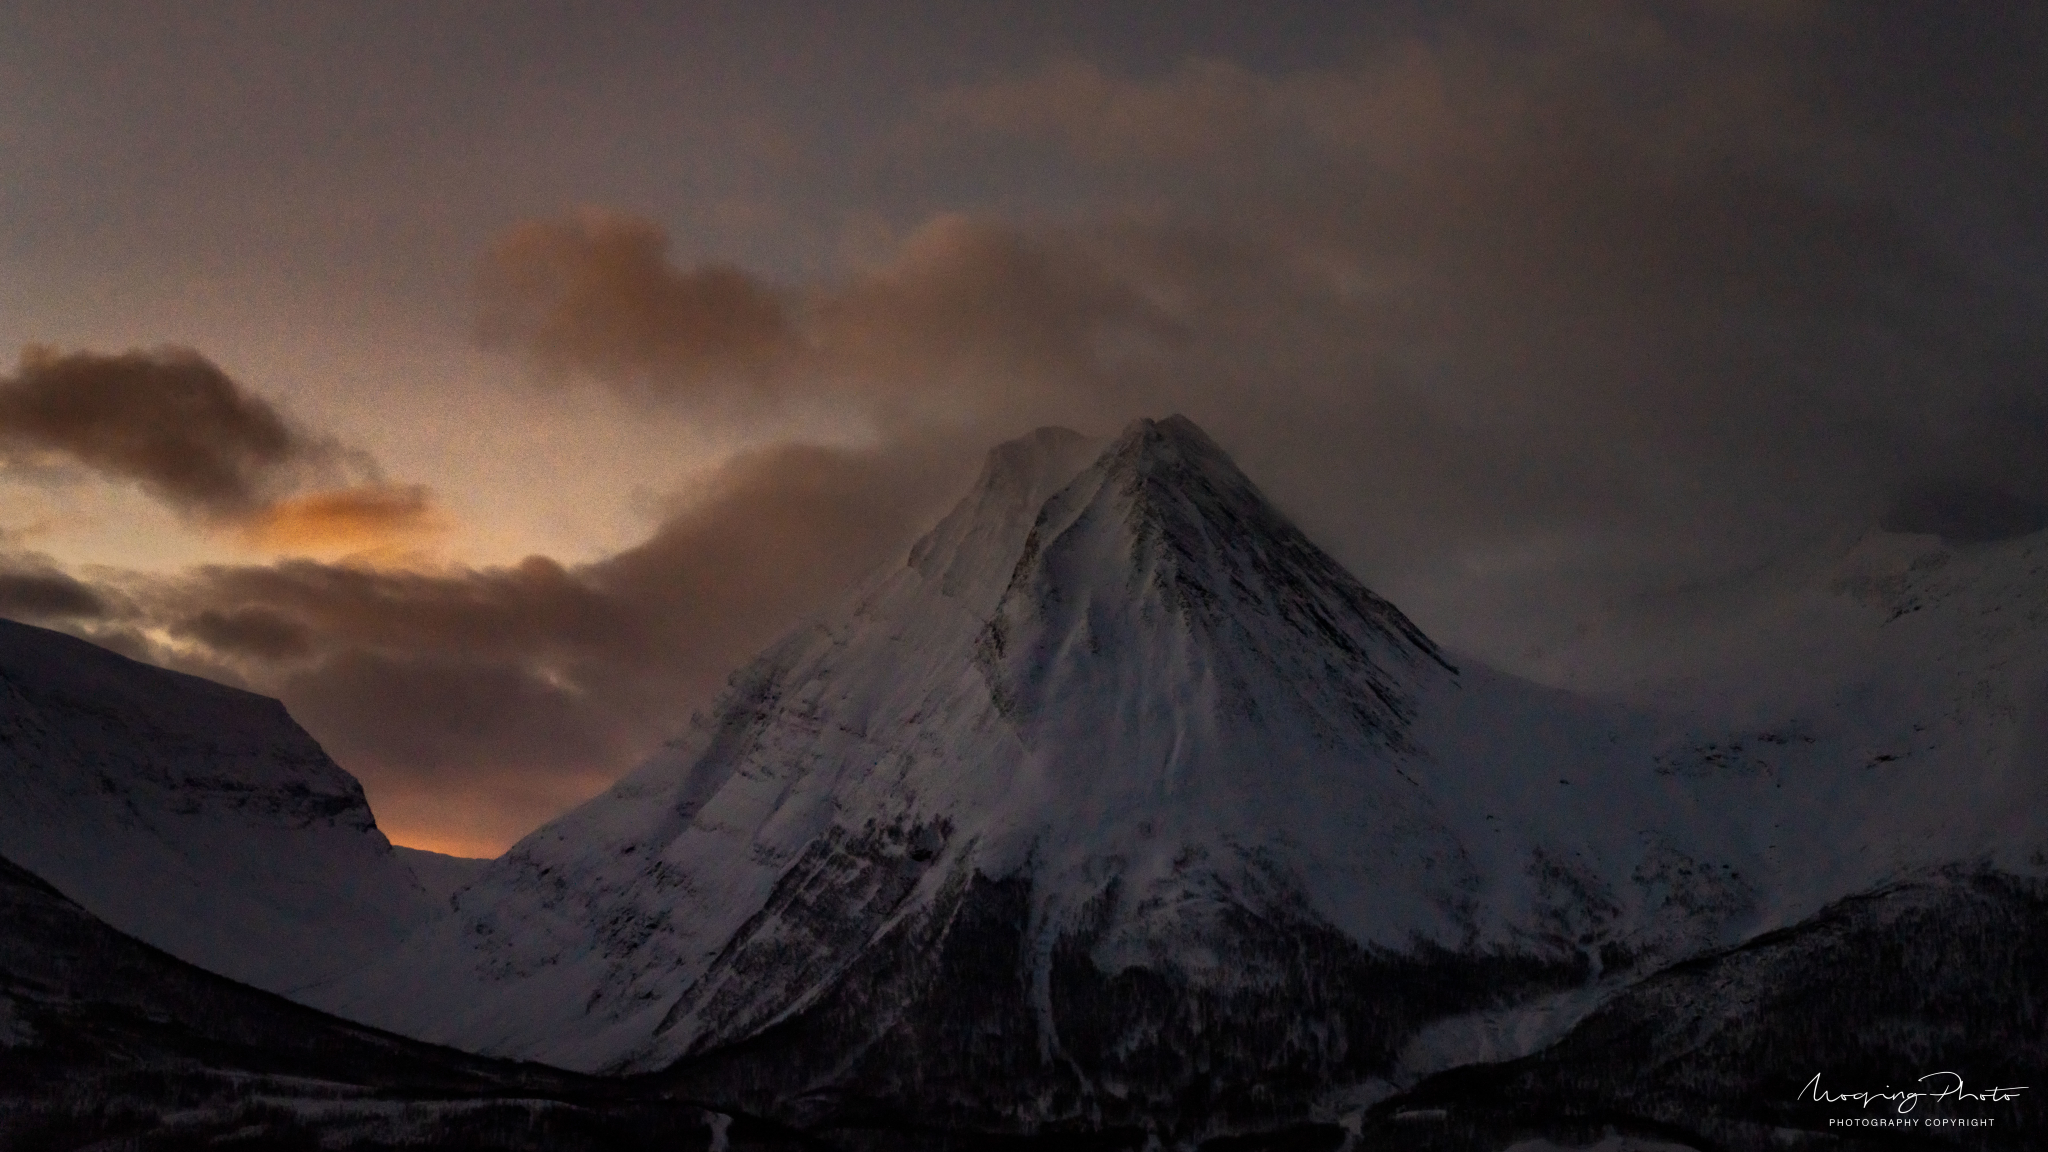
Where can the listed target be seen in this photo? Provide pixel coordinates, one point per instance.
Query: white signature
(1947, 1086)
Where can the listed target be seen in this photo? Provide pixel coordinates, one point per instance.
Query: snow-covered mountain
(1117, 804)
(1118, 797)
(194, 816)
(1891, 689)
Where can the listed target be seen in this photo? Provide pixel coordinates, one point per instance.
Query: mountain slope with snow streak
(196, 817)
(1889, 695)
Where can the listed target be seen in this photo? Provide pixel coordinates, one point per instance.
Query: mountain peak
(1174, 446)
(972, 550)
(1171, 476)
(1034, 454)
(1173, 432)
(1164, 547)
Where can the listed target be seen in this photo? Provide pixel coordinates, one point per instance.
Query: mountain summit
(1119, 800)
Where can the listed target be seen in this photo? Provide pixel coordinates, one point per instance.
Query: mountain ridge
(193, 815)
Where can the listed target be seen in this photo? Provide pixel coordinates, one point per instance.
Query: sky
(487, 381)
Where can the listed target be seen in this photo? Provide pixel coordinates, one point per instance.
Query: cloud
(594, 292)
(443, 716)
(971, 306)
(1539, 305)
(1536, 308)
(963, 311)
(1518, 313)
(258, 633)
(523, 688)
(171, 421)
(1487, 85)
(42, 593)
(364, 517)
(1963, 514)
(1201, 111)
(168, 419)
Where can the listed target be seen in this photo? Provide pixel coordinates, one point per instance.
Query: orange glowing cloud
(364, 518)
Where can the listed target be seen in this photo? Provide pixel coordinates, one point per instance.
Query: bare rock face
(196, 817)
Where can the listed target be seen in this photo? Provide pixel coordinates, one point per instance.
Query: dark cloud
(438, 716)
(963, 310)
(173, 422)
(1518, 311)
(168, 419)
(780, 531)
(1964, 515)
(594, 293)
(971, 312)
(247, 632)
(1542, 303)
(1202, 111)
(47, 595)
(1519, 307)
(526, 687)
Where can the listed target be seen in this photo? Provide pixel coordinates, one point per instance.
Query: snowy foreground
(1120, 808)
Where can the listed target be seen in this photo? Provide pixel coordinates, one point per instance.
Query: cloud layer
(1522, 309)
(353, 519)
(1542, 304)
(169, 420)
(594, 292)
(38, 591)
(475, 702)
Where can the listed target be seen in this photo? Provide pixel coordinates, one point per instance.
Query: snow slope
(440, 874)
(107, 1042)
(1892, 690)
(196, 817)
